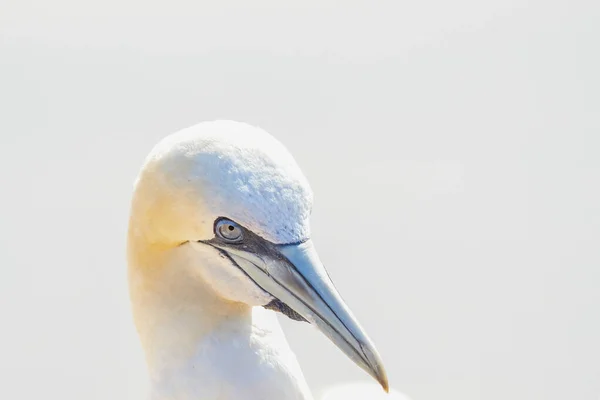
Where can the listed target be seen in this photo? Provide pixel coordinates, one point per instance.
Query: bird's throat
(198, 345)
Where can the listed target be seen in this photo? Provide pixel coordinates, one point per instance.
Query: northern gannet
(219, 232)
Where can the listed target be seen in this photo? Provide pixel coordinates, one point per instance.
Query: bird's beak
(294, 275)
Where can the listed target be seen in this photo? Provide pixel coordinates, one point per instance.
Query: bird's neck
(198, 345)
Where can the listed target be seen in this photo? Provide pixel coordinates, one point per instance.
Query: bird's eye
(229, 230)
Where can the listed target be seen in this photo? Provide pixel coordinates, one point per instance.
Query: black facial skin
(283, 308)
(262, 248)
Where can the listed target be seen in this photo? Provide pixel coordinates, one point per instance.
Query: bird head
(233, 200)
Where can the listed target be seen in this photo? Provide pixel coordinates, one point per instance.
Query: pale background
(453, 146)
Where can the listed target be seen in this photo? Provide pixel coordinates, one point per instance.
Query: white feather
(244, 173)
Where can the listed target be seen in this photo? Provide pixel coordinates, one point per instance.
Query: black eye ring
(229, 231)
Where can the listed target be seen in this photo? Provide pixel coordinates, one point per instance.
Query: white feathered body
(253, 363)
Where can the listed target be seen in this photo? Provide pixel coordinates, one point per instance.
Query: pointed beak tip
(384, 384)
(381, 377)
(374, 364)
